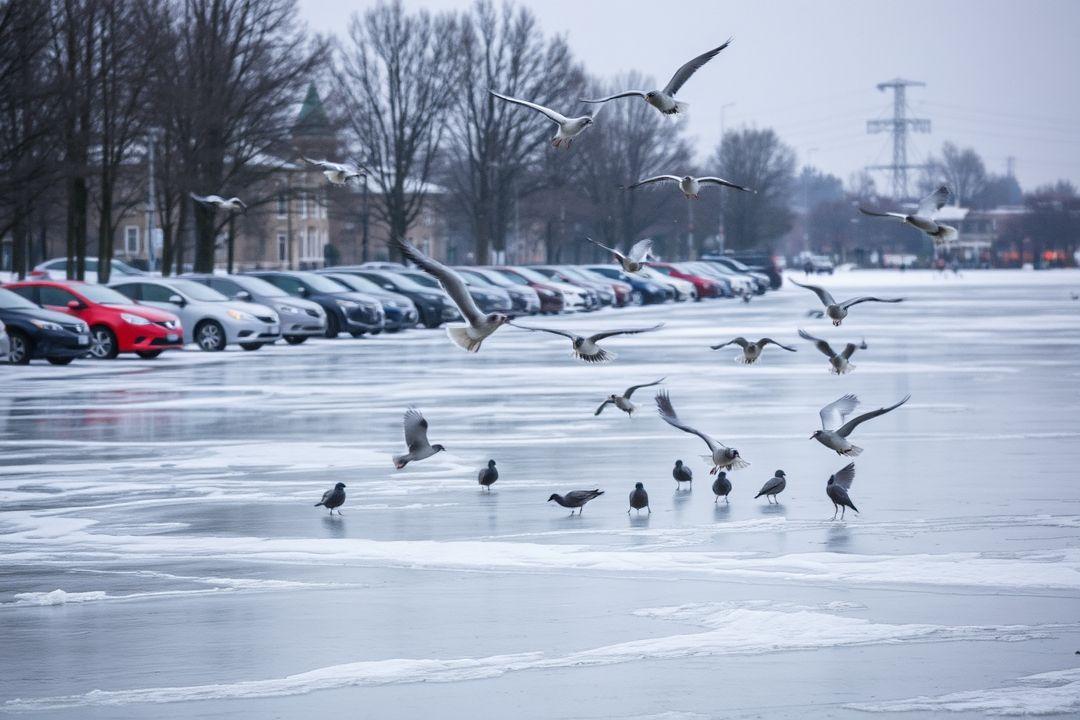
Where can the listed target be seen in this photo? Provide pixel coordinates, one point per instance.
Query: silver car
(300, 319)
(210, 319)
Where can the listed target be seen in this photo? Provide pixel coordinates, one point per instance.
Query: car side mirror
(177, 300)
(243, 295)
(75, 305)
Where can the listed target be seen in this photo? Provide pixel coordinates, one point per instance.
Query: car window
(57, 297)
(257, 286)
(422, 279)
(529, 274)
(103, 295)
(287, 283)
(131, 290)
(156, 293)
(355, 282)
(513, 277)
(195, 291)
(318, 283)
(57, 265)
(663, 270)
(225, 287)
(10, 300)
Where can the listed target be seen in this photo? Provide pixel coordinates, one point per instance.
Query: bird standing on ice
(690, 186)
(837, 489)
(569, 128)
(639, 499)
(773, 487)
(333, 498)
(488, 475)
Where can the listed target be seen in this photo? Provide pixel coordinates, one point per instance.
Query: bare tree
(961, 169)
(396, 80)
(757, 159)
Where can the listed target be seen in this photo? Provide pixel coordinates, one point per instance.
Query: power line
(899, 125)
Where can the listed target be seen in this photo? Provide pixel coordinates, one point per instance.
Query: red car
(705, 287)
(116, 324)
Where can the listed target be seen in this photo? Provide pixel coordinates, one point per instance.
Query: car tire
(148, 354)
(295, 339)
(251, 346)
(60, 360)
(22, 348)
(103, 345)
(210, 336)
(357, 333)
(333, 327)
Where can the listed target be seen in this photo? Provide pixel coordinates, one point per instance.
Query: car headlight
(46, 325)
(347, 303)
(133, 319)
(288, 310)
(240, 315)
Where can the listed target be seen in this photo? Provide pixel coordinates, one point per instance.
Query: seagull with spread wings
(336, 173)
(664, 100)
(751, 351)
(634, 260)
(569, 128)
(232, 204)
(720, 455)
(923, 217)
(838, 362)
(835, 413)
(416, 427)
(480, 326)
(837, 489)
(623, 401)
(690, 186)
(838, 311)
(586, 348)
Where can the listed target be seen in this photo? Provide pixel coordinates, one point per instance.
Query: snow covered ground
(160, 555)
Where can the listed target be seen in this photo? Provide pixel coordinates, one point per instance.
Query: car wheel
(210, 336)
(22, 348)
(333, 327)
(60, 360)
(357, 333)
(103, 345)
(295, 339)
(251, 346)
(148, 354)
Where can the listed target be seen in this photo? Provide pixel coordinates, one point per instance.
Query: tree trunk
(232, 243)
(204, 239)
(105, 231)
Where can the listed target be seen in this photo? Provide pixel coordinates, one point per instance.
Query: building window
(312, 241)
(303, 205)
(131, 239)
(282, 205)
(282, 247)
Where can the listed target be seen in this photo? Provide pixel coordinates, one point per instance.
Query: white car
(210, 319)
(56, 269)
(684, 289)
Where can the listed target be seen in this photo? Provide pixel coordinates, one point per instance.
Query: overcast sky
(1001, 75)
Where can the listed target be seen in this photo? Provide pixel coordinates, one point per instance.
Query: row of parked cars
(58, 320)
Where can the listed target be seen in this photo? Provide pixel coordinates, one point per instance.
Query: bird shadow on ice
(721, 510)
(838, 536)
(638, 520)
(773, 509)
(335, 525)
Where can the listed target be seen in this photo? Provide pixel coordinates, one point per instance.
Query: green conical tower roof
(312, 118)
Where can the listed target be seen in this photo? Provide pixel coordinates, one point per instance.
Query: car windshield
(355, 282)
(319, 283)
(473, 279)
(593, 275)
(530, 274)
(660, 269)
(421, 279)
(103, 295)
(493, 278)
(399, 281)
(123, 268)
(195, 291)
(736, 264)
(258, 286)
(12, 301)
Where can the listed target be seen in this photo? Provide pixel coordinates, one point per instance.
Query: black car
(35, 332)
(761, 262)
(643, 290)
(434, 305)
(346, 311)
(399, 311)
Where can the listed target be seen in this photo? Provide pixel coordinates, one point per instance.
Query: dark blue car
(38, 333)
(643, 290)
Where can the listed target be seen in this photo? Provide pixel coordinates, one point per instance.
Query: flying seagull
(639, 499)
(576, 499)
(488, 475)
(751, 351)
(721, 487)
(416, 427)
(336, 173)
(232, 204)
(838, 361)
(664, 100)
(586, 348)
(837, 490)
(682, 473)
(633, 261)
(690, 186)
(468, 337)
(835, 413)
(838, 311)
(623, 401)
(773, 487)
(720, 455)
(569, 128)
(333, 498)
(922, 218)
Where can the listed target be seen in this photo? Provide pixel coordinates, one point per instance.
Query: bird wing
(875, 213)
(553, 331)
(845, 476)
(602, 406)
(326, 496)
(683, 74)
(582, 496)
(847, 428)
(654, 179)
(325, 164)
(451, 282)
(849, 350)
(933, 202)
(634, 331)
(819, 344)
(552, 115)
(640, 250)
(239, 202)
(766, 341)
(868, 298)
(823, 294)
(600, 245)
(630, 390)
(207, 198)
(667, 413)
(416, 427)
(770, 484)
(835, 412)
(624, 93)
(740, 341)
(711, 180)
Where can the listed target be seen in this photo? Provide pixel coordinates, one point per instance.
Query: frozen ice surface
(160, 555)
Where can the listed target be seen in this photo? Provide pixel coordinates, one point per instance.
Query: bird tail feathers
(318, 504)
(459, 335)
(855, 450)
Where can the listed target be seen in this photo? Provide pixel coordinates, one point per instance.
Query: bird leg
(835, 509)
(843, 510)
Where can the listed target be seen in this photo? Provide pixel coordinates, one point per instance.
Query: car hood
(248, 307)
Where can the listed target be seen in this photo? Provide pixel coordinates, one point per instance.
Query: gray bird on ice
(838, 311)
(773, 487)
(923, 217)
(721, 487)
(682, 474)
(838, 362)
(416, 427)
(639, 499)
(751, 351)
(586, 348)
(720, 455)
(664, 100)
(688, 184)
(333, 498)
(632, 261)
(835, 413)
(488, 475)
(569, 128)
(837, 490)
(623, 401)
(576, 499)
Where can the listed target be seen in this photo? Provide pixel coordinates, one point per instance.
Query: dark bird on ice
(837, 490)
(681, 473)
(773, 486)
(333, 498)
(639, 499)
(721, 486)
(576, 499)
(488, 475)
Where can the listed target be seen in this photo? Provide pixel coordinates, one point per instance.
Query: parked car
(818, 264)
(643, 291)
(733, 283)
(300, 319)
(574, 299)
(604, 295)
(703, 286)
(489, 300)
(399, 312)
(346, 310)
(56, 269)
(683, 290)
(210, 319)
(761, 280)
(434, 305)
(5, 343)
(764, 262)
(117, 325)
(382, 265)
(524, 299)
(621, 289)
(34, 332)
